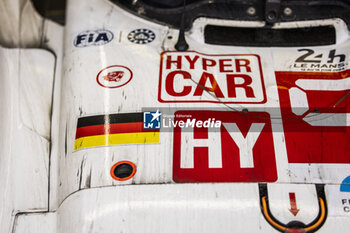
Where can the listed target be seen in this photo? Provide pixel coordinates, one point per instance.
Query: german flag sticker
(113, 129)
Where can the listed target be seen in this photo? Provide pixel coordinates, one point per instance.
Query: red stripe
(93, 130)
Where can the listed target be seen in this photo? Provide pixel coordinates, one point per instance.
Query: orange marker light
(123, 170)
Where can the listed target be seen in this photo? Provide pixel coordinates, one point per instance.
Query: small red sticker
(114, 76)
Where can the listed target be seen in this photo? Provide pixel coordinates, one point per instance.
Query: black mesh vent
(265, 37)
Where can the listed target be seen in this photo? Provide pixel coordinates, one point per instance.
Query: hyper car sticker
(193, 77)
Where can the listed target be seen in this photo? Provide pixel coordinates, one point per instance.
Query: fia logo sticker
(141, 36)
(114, 76)
(151, 120)
(96, 37)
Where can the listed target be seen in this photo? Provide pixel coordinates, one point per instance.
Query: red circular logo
(114, 76)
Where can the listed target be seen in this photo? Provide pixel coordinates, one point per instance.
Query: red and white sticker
(316, 116)
(114, 76)
(195, 77)
(241, 150)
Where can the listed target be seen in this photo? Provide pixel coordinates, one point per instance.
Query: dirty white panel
(338, 201)
(79, 200)
(319, 173)
(298, 101)
(91, 167)
(139, 208)
(172, 208)
(81, 169)
(83, 96)
(35, 90)
(21, 25)
(54, 34)
(331, 85)
(35, 222)
(24, 148)
(337, 224)
(293, 202)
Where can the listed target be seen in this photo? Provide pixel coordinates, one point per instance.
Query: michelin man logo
(151, 120)
(141, 36)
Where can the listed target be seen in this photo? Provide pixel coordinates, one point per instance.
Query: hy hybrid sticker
(94, 37)
(240, 150)
(114, 76)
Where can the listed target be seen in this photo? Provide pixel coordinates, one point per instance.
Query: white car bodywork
(50, 185)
